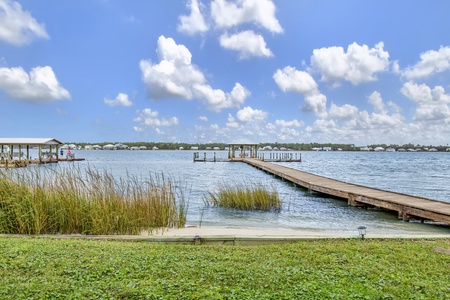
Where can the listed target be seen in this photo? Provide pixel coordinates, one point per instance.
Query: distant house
(216, 148)
(155, 148)
(96, 147)
(71, 147)
(120, 146)
(378, 149)
(108, 147)
(327, 149)
(194, 148)
(134, 148)
(142, 148)
(88, 147)
(181, 148)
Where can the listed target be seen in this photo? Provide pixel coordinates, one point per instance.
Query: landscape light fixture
(362, 231)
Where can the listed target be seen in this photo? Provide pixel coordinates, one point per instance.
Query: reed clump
(250, 196)
(69, 201)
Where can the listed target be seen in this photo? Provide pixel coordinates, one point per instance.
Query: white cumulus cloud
(120, 100)
(359, 64)
(248, 114)
(321, 126)
(18, 27)
(216, 99)
(292, 123)
(231, 122)
(432, 104)
(247, 43)
(316, 103)
(291, 80)
(40, 85)
(345, 111)
(194, 23)
(431, 62)
(423, 93)
(377, 102)
(227, 14)
(148, 119)
(176, 76)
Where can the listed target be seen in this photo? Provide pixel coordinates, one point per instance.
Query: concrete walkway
(245, 236)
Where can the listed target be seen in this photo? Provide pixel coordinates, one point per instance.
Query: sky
(228, 71)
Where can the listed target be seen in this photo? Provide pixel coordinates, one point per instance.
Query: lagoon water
(419, 173)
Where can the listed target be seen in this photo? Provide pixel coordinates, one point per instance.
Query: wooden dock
(408, 207)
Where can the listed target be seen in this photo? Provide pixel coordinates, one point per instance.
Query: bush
(253, 196)
(68, 201)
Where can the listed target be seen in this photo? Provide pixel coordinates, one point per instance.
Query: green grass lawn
(45, 268)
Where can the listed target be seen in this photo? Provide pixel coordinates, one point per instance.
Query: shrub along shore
(249, 196)
(43, 268)
(70, 201)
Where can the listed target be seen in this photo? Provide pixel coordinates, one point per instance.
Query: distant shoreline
(278, 146)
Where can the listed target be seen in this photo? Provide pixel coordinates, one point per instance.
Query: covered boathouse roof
(30, 141)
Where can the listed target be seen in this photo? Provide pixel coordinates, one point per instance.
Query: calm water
(421, 174)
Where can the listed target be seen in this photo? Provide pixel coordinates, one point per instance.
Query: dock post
(214, 156)
(204, 156)
(353, 201)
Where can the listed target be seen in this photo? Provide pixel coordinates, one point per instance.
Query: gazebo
(25, 144)
(246, 151)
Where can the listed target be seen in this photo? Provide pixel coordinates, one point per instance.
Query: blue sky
(197, 71)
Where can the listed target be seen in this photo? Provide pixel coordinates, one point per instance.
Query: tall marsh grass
(250, 196)
(69, 201)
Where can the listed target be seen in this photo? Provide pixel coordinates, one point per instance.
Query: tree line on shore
(289, 146)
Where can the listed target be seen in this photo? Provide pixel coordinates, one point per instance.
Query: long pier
(408, 207)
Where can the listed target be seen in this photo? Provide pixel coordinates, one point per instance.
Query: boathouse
(12, 148)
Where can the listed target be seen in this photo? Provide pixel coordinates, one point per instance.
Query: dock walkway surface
(408, 207)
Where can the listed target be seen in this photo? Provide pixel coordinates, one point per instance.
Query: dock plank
(407, 206)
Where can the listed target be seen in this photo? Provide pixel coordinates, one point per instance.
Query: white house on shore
(108, 147)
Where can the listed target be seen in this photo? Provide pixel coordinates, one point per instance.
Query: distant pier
(239, 152)
(268, 157)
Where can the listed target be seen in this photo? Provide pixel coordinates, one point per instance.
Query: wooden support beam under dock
(408, 207)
